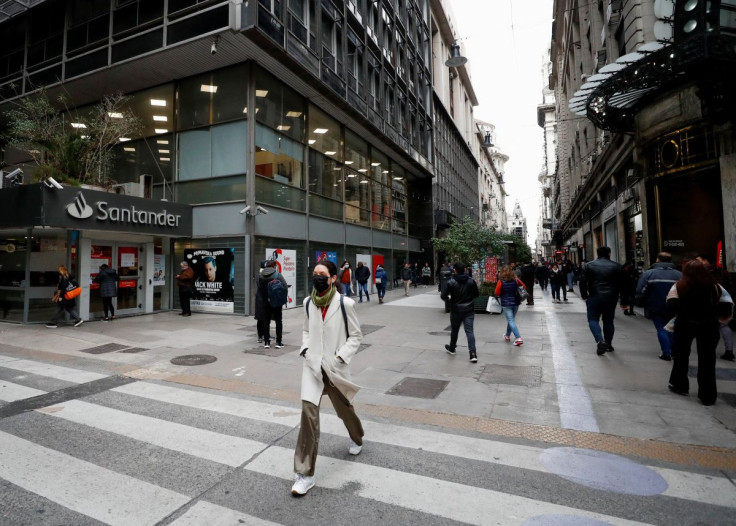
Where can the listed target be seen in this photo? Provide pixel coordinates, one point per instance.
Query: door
(128, 267)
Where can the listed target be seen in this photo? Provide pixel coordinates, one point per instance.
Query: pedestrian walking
(345, 278)
(700, 304)
(507, 289)
(445, 276)
(528, 271)
(632, 279)
(185, 281)
(426, 274)
(381, 279)
(268, 304)
(416, 274)
(331, 337)
(108, 280)
(64, 305)
(406, 275)
(542, 275)
(651, 293)
(362, 275)
(726, 329)
(460, 293)
(556, 282)
(602, 285)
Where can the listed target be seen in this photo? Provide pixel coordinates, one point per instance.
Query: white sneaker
(302, 484)
(518, 342)
(354, 449)
(80, 322)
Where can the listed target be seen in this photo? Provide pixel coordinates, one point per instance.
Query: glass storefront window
(398, 199)
(324, 134)
(155, 108)
(279, 158)
(356, 152)
(213, 152)
(13, 251)
(214, 97)
(325, 186)
(279, 107)
(152, 157)
(48, 251)
(216, 190)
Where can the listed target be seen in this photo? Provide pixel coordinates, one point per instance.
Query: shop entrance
(125, 259)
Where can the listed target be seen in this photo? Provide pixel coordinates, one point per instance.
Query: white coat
(325, 341)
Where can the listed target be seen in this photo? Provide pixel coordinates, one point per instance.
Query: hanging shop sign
(214, 278)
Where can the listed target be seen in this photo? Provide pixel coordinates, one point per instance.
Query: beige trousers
(305, 456)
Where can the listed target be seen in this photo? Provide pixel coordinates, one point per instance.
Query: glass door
(99, 254)
(128, 270)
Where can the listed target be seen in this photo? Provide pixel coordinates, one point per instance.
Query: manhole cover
(193, 359)
(721, 373)
(418, 388)
(529, 376)
(102, 349)
(367, 329)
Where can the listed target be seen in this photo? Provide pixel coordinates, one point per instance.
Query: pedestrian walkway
(148, 452)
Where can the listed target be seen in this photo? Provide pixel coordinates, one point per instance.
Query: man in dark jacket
(108, 279)
(651, 292)
(527, 277)
(362, 275)
(460, 292)
(406, 276)
(542, 275)
(265, 312)
(445, 275)
(602, 285)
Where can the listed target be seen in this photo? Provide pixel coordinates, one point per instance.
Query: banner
(214, 276)
(286, 265)
(322, 255)
(159, 270)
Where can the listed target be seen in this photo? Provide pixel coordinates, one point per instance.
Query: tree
(467, 241)
(72, 147)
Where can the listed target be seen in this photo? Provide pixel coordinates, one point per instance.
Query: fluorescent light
(158, 102)
(123, 139)
(362, 170)
(348, 162)
(337, 169)
(114, 115)
(293, 113)
(163, 151)
(321, 130)
(350, 176)
(245, 110)
(208, 88)
(283, 127)
(398, 178)
(363, 182)
(330, 153)
(385, 171)
(160, 118)
(78, 125)
(129, 149)
(375, 164)
(161, 130)
(261, 93)
(164, 158)
(312, 141)
(162, 141)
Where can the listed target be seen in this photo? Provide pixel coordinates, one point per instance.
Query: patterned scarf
(323, 301)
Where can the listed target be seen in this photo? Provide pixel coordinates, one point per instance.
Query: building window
(217, 96)
(324, 134)
(325, 185)
(213, 152)
(279, 107)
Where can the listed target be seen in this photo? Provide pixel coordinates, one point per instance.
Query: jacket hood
(461, 278)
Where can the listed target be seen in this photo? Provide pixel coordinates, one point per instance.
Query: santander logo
(79, 208)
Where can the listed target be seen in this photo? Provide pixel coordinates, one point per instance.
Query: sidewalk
(553, 388)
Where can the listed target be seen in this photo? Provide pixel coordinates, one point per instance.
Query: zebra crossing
(151, 453)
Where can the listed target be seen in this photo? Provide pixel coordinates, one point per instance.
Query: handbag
(378, 280)
(494, 306)
(521, 293)
(72, 291)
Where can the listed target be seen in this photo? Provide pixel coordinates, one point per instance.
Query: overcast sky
(505, 46)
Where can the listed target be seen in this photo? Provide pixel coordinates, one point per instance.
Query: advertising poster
(491, 270)
(214, 276)
(286, 265)
(159, 270)
(323, 255)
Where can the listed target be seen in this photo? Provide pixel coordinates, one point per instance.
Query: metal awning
(11, 8)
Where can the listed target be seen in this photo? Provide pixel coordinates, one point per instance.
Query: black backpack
(278, 296)
(342, 308)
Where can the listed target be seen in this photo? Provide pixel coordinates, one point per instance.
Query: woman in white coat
(331, 337)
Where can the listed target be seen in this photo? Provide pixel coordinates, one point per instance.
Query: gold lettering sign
(681, 150)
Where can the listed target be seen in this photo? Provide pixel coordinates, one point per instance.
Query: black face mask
(321, 283)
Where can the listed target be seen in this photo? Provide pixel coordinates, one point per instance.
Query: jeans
(727, 335)
(363, 287)
(597, 308)
(345, 289)
(555, 290)
(510, 313)
(664, 337)
(381, 290)
(706, 338)
(466, 320)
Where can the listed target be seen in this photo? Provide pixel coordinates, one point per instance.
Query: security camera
(261, 210)
(213, 49)
(15, 173)
(245, 210)
(52, 183)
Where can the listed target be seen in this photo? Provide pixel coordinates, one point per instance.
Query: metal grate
(102, 349)
(193, 359)
(134, 350)
(418, 387)
(529, 376)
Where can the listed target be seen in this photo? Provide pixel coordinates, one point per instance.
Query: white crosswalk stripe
(58, 372)
(115, 498)
(10, 392)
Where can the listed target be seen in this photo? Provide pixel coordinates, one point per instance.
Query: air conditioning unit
(132, 189)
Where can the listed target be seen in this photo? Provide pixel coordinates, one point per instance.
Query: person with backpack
(108, 279)
(270, 298)
(66, 284)
(331, 338)
(381, 280)
(362, 275)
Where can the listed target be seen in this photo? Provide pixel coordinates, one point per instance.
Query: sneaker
(728, 355)
(302, 485)
(665, 357)
(566, 301)
(51, 325)
(507, 337)
(267, 345)
(518, 342)
(450, 351)
(610, 348)
(354, 449)
(602, 348)
(279, 345)
(79, 322)
(105, 319)
(260, 339)
(473, 357)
